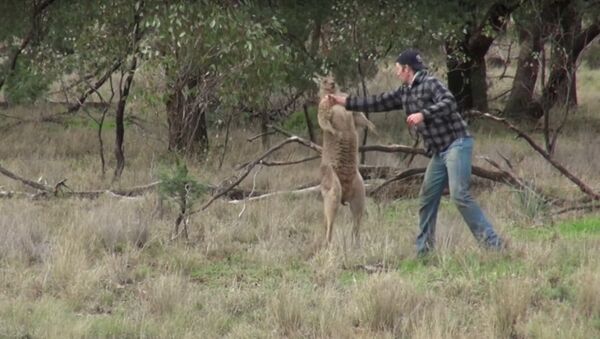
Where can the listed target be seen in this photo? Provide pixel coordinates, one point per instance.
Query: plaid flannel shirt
(442, 124)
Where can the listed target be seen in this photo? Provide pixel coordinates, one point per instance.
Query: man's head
(408, 63)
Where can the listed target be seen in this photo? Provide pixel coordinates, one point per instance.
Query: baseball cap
(412, 58)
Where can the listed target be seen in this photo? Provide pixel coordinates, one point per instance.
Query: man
(431, 109)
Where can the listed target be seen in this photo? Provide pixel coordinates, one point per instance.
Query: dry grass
(107, 267)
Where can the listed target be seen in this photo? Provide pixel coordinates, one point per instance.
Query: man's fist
(415, 119)
(337, 99)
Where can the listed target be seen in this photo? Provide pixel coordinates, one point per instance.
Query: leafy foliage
(296, 122)
(177, 186)
(27, 83)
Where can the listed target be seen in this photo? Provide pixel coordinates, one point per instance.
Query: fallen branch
(588, 207)
(248, 168)
(286, 163)
(271, 194)
(393, 148)
(582, 186)
(402, 175)
(57, 189)
(26, 182)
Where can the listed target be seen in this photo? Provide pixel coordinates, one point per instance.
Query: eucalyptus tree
(565, 29)
(22, 27)
(214, 57)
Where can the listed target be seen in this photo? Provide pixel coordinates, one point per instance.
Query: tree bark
(520, 103)
(120, 113)
(186, 116)
(566, 23)
(465, 58)
(569, 40)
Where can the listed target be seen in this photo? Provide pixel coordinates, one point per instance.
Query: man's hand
(415, 119)
(337, 99)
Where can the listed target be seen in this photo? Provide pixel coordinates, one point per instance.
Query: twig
(506, 161)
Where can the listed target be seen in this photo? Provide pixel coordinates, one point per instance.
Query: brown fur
(341, 182)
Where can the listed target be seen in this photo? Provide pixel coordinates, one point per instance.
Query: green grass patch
(234, 269)
(350, 278)
(397, 210)
(580, 227)
(472, 265)
(117, 326)
(412, 266)
(575, 229)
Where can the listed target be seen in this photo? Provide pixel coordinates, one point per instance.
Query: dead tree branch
(402, 175)
(588, 207)
(94, 88)
(582, 186)
(286, 163)
(57, 189)
(26, 182)
(248, 168)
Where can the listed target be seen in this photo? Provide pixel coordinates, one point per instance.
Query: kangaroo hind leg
(357, 206)
(331, 190)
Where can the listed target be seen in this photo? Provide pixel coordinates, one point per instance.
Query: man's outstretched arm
(387, 101)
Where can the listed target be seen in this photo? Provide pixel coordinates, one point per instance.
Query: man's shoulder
(431, 81)
(430, 78)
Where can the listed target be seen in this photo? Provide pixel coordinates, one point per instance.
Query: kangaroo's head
(327, 85)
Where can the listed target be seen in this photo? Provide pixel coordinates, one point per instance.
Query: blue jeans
(452, 167)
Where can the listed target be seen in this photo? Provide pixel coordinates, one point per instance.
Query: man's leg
(458, 163)
(435, 179)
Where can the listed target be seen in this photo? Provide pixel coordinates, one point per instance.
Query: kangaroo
(341, 182)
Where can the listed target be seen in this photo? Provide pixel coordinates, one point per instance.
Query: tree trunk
(562, 74)
(174, 105)
(186, 117)
(467, 78)
(519, 103)
(479, 82)
(120, 113)
(569, 41)
(465, 58)
(264, 127)
(458, 80)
